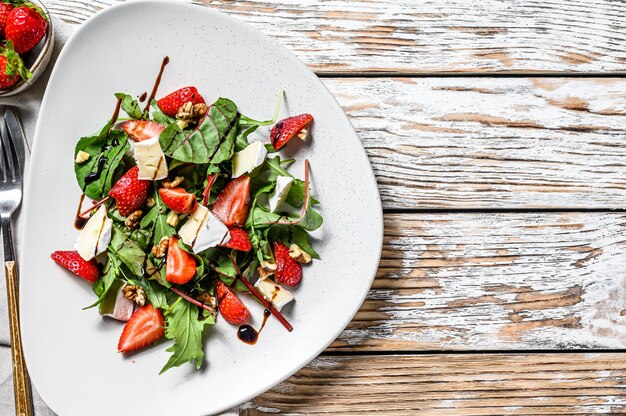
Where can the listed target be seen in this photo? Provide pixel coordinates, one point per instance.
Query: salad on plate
(190, 220)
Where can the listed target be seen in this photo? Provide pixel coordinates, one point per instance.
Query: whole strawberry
(11, 67)
(129, 192)
(288, 271)
(172, 102)
(5, 10)
(25, 26)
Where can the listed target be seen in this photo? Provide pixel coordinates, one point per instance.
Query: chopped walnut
(172, 219)
(174, 182)
(199, 110)
(133, 220)
(304, 134)
(207, 300)
(298, 255)
(82, 157)
(185, 112)
(135, 293)
(160, 249)
(150, 202)
(266, 270)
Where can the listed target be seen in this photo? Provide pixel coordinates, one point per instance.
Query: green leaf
(110, 272)
(295, 197)
(159, 116)
(184, 327)
(156, 220)
(156, 294)
(211, 142)
(312, 219)
(128, 251)
(226, 270)
(301, 238)
(130, 106)
(105, 154)
(241, 141)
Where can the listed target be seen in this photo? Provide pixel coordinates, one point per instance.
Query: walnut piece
(298, 255)
(150, 202)
(266, 269)
(191, 112)
(172, 219)
(160, 249)
(199, 110)
(82, 157)
(207, 300)
(304, 134)
(135, 293)
(174, 182)
(133, 220)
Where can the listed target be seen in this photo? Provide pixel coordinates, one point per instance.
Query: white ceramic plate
(71, 353)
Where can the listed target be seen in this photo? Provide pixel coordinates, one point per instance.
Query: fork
(11, 167)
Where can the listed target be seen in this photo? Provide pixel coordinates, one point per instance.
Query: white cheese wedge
(189, 231)
(203, 230)
(274, 293)
(95, 236)
(116, 306)
(249, 158)
(283, 185)
(150, 159)
(212, 234)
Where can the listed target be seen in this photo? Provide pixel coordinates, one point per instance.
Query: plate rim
(377, 211)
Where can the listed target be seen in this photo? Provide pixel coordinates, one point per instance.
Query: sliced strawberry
(180, 266)
(145, 327)
(232, 204)
(5, 10)
(172, 102)
(284, 130)
(73, 262)
(230, 306)
(25, 26)
(178, 200)
(140, 130)
(288, 271)
(239, 240)
(129, 192)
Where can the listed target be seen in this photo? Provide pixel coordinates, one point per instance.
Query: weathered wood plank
(492, 143)
(496, 281)
(429, 36)
(462, 384)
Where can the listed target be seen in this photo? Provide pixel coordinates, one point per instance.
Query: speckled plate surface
(71, 353)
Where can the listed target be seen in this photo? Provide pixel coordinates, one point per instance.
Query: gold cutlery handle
(23, 399)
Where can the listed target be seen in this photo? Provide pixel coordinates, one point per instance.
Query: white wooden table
(497, 131)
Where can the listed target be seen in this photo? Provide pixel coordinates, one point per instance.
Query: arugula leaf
(156, 220)
(130, 106)
(184, 327)
(109, 274)
(301, 238)
(127, 250)
(105, 154)
(226, 270)
(212, 141)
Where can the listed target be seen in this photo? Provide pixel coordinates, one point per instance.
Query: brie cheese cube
(249, 158)
(274, 293)
(189, 231)
(212, 233)
(283, 185)
(150, 159)
(95, 236)
(203, 230)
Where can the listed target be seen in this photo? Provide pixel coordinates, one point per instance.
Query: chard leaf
(130, 106)
(127, 250)
(212, 141)
(104, 158)
(184, 327)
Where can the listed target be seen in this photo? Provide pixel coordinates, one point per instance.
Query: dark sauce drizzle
(79, 222)
(94, 176)
(248, 334)
(143, 97)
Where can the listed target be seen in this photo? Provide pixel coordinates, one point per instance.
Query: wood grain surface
(488, 143)
(451, 384)
(428, 36)
(477, 281)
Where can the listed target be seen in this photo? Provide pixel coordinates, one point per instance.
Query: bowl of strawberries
(26, 43)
